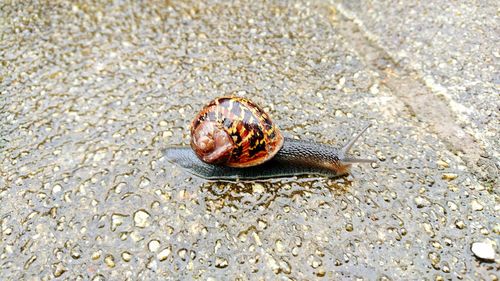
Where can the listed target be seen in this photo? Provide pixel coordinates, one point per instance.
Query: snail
(234, 139)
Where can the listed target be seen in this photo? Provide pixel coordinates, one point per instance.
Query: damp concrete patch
(92, 93)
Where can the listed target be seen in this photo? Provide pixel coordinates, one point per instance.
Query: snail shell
(234, 132)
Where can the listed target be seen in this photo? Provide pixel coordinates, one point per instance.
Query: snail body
(232, 138)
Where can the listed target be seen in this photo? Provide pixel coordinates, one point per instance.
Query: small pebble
(144, 182)
(154, 245)
(163, 254)
(321, 272)
(75, 252)
(8, 231)
(442, 164)
(116, 221)
(258, 188)
(59, 270)
(126, 256)
(110, 261)
(428, 228)
(421, 202)
(460, 224)
(56, 189)
(496, 229)
(483, 250)
(285, 266)
(449, 176)
(349, 227)
(476, 206)
(279, 246)
(436, 245)
(271, 262)
(182, 253)
(374, 89)
(96, 255)
(448, 241)
(262, 224)
(315, 263)
(452, 206)
(435, 258)
(484, 231)
(221, 262)
(257, 239)
(141, 219)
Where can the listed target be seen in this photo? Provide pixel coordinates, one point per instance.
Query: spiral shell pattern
(247, 133)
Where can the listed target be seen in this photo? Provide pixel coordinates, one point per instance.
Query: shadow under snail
(234, 139)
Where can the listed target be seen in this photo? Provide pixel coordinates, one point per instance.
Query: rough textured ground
(450, 48)
(91, 92)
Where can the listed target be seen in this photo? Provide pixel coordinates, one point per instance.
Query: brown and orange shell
(235, 132)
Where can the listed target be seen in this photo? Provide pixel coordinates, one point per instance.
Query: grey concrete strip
(449, 50)
(428, 106)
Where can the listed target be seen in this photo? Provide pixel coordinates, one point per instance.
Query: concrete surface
(450, 49)
(91, 92)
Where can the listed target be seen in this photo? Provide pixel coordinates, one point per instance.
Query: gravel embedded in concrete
(92, 92)
(483, 251)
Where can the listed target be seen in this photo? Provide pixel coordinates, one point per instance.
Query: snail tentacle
(347, 147)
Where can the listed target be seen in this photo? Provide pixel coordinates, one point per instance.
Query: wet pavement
(91, 93)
